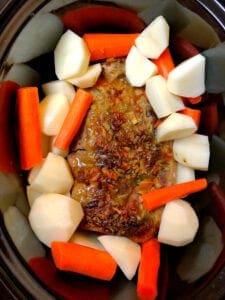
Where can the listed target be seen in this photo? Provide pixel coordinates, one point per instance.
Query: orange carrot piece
(83, 260)
(92, 17)
(74, 119)
(158, 197)
(147, 282)
(29, 128)
(194, 100)
(107, 45)
(164, 63)
(195, 114)
(8, 92)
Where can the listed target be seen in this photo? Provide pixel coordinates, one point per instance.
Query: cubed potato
(71, 55)
(126, 253)
(55, 217)
(138, 68)
(154, 39)
(54, 176)
(53, 110)
(162, 101)
(179, 224)
(192, 151)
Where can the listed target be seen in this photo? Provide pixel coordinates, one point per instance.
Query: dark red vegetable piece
(218, 204)
(63, 285)
(183, 48)
(209, 118)
(93, 17)
(8, 161)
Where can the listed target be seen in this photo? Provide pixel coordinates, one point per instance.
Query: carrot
(74, 119)
(107, 45)
(29, 128)
(90, 18)
(83, 260)
(183, 47)
(147, 282)
(8, 92)
(194, 100)
(158, 197)
(195, 114)
(164, 63)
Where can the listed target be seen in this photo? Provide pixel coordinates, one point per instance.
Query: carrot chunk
(158, 197)
(195, 114)
(74, 119)
(164, 63)
(147, 283)
(29, 127)
(8, 92)
(106, 45)
(83, 260)
(91, 17)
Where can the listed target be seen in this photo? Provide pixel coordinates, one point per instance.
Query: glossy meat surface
(116, 158)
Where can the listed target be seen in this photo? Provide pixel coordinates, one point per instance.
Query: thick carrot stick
(159, 197)
(29, 127)
(83, 260)
(194, 100)
(106, 45)
(74, 119)
(93, 17)
(195, 114)
(147, 283)
(8, 92)
(164, 63)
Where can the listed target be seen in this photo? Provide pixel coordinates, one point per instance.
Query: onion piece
(21, 234)
(203, 253)
(23, 74)
(39, 36)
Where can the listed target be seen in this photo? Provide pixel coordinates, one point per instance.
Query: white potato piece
(138, 68)
(23, 74)
(184, 174)
(162, 101)
(89, 78)
(21, 234)
(71, 56)
(192, 151)
(54, 176)
(126, 253)
(175, 126)
(32, 194)
(38, 37)
(179, 224)
(55, 217)
(59, 87)
(86, 238)
(188, 78)
(154, 39)
(52, 111)
(33, 173)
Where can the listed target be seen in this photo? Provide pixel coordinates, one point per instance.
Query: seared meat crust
(115, 159)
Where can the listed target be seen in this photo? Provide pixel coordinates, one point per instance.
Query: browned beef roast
(116, 158)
